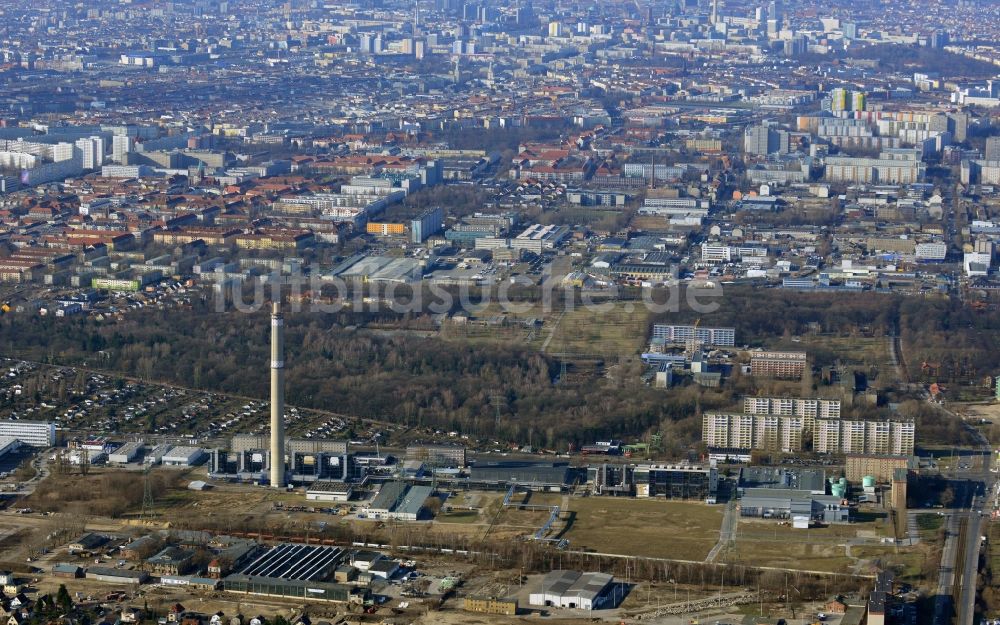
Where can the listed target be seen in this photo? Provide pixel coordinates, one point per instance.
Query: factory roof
(575, 584)
(105, 571)
(810, 480)
(183, 453)
(295, 562)
(401, 498)
(325, 486)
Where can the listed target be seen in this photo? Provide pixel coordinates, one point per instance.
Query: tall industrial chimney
(277, 397)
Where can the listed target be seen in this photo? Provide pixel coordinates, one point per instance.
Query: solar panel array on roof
(296, 562)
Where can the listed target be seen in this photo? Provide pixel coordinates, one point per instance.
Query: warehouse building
(116, 576)
(811, 481)
(329, 491)
(295, 562)
(201, 583)
(87, 542)
(66, 570)
(776, 503)
(183, 456)
(399, 501)
(299, 571)
(155, 455)
(574, 590)
(32, 433)
(307, 590)
(550, 476)
(128, 452)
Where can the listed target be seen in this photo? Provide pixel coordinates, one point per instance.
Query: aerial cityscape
(322, 312)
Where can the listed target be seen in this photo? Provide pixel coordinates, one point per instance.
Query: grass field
(830, 548)
(855, 351)
(622, 330)
(929, 522)
(461, 516)
(663, 529)
(789, 552)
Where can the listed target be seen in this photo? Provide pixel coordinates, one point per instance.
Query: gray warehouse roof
(575, 584)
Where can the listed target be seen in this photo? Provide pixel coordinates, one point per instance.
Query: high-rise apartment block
(786, 406)
(993, 149)
(778, 365)
(722, 337)
(782, 424)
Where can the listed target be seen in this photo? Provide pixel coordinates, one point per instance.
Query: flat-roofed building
(329, 491)
(776, 503)
(778, 365)
(438, 455)
(551, 476)
(482, 604)
(723, 337)
(116, 576)
(812, 408)
(31, 433)
(749, 431)
(126, 453)
(183, 456)
(880, 466)
(864, 436)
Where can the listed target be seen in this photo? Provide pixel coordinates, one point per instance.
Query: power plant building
(308, 460)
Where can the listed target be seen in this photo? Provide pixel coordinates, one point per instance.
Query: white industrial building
(33, 433)
(183, 456)
(329, 491)
(83, 456)
(155, 455)
(126, 453)
(570, 589)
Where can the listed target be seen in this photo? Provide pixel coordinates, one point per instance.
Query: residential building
(484, 604)
(809, 408)
(855, 436)
(779, 365)
(879, 466)
(722, 337)
(428, 223)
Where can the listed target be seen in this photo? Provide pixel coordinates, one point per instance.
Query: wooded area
(416, 379)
